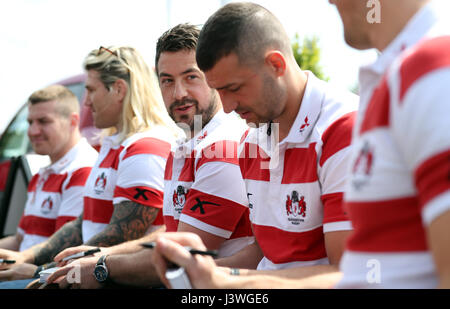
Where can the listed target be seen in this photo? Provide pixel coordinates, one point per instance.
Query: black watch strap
(101, 263)
(101, 260)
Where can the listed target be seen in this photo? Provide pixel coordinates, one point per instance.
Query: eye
(166, 81)
(235, 89)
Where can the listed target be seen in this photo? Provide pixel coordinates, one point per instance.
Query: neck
(70, 144)
(296, 84)
(393, 22)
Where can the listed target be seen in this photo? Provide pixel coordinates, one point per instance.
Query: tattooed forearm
(129, 221)
(67, 236)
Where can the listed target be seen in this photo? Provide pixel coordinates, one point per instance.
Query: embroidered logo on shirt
(47, 205)
(295, 208)
(304, 125)
(202, 137)
(100, 184)
(179, 198)
(141, 193)
(362, 168)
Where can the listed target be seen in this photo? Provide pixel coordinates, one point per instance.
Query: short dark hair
(244, 28)
(180, 37)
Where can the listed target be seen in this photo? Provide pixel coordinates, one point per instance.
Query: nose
(33, 129)
(179, 91)
(228, 103)
(87, 101)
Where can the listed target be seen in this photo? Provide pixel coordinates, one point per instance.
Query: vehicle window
(78, 90)
(15, 141)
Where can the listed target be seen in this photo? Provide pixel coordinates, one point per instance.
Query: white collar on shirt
(62, 163)
(216, 121)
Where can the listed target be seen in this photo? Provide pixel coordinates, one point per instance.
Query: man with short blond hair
(54, 193)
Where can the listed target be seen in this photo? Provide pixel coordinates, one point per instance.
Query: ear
(275, 60)
(74, 119)
(120, 89)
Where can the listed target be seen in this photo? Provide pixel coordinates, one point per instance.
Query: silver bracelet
(234, 272)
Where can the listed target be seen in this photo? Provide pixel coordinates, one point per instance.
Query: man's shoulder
(145, 143)
(429, 55)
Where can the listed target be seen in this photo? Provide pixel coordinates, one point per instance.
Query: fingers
(69, 251)
(5, 275)
(173, 251)
(59, 275)
(160, 264)
(170, 247)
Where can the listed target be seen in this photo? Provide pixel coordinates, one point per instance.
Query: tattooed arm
(129, 221)
(68, 235)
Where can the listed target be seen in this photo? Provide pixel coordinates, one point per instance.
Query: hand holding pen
(213, 253)
(175, 248)
(62, 261)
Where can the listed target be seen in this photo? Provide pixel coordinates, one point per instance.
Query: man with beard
(204, 192)
(296, 180)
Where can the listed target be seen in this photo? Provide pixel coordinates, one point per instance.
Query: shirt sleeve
(140, 175)
(333, 172)
(217, 199)
(421, 125)
(72, 196)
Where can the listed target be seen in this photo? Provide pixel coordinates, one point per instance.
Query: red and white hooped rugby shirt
(132, 170)
(299, 198)
(204, 186)
(55, 195)
(400, 163)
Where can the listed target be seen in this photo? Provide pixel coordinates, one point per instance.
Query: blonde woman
(124, 193)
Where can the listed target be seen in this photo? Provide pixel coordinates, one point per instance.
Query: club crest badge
(179, 198)
(100, 184)
(362, 168)
(47, 205)
(295, 208)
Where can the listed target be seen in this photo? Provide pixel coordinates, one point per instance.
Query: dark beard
(207, 114)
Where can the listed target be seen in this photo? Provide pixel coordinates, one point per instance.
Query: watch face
(100, 273)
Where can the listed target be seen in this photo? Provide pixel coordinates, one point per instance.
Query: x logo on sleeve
(141, 193)
(200, 205)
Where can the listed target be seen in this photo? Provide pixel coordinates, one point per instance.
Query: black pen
(7, 261)
(81, 254)
(212, 253)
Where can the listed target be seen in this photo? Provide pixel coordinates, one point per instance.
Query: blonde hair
(67, 101)
(143, 107)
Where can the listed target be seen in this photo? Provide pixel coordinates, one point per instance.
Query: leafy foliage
(307, 55)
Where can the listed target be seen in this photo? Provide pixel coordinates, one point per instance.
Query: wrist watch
(101, 273)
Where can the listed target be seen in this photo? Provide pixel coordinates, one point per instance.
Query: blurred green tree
(307, 55)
